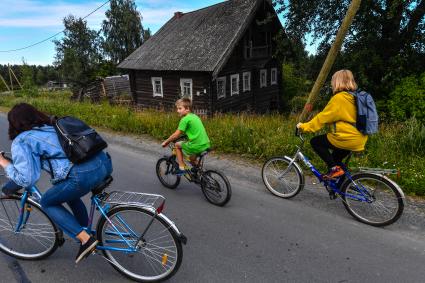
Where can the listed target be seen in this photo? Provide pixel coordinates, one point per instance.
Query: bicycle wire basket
(134, 198)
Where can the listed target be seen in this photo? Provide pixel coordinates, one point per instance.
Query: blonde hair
(343, 80)
(185, 102)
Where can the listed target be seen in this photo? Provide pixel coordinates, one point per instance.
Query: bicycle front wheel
(158, 254)
(38, 236)
(373, 199)
(164, 171)
(281, 178)
(215, 187)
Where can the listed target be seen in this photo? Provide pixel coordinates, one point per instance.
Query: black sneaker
(86, 249)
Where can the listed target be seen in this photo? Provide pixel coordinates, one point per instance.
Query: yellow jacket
(340, 113)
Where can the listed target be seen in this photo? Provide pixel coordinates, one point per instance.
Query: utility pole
(330, 58)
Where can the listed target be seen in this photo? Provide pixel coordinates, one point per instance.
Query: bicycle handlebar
(6, 155)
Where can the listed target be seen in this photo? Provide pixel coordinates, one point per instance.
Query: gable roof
(201, 40)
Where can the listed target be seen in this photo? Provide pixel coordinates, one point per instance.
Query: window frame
(233, 92)
(182, 82)
(156, 94)
(221, 79)
(273, 82)
(263, 71)
(243, 81)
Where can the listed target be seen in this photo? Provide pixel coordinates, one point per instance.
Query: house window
(157, 86)
(221, 87)
(246, 81)
(186, 88)
(273, 76)
(234, 84)
(263, 78)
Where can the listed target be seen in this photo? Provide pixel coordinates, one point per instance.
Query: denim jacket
(30, 150)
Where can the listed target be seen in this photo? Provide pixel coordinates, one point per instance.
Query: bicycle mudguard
(170, 223)
(293, 162)
(381, 176)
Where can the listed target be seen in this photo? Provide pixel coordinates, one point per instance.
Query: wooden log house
(220, 56)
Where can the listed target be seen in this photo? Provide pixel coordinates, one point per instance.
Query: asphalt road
(257, 237)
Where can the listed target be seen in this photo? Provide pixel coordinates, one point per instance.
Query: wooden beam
(2, 79)
(13, 73)
(330, 58)
(10, 77)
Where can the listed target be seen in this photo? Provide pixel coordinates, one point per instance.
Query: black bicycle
(214, 184)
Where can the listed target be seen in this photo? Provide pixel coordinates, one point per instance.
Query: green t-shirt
(192, 126)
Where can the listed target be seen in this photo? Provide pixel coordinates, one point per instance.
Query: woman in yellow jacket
(340, 115)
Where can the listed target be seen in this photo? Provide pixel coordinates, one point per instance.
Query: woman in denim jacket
(35, 140)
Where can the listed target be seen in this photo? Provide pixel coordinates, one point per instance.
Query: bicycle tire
(172, 180)
(38, 239)
(385, 197)
(215, 191)
(293, 182)
(150, 254)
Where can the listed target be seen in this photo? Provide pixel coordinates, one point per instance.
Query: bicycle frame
(363, 195)
(96, 203)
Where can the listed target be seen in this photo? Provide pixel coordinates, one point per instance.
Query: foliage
(123, 30)
(78, 52)
(293, 88)
(28, 86)
(385, 42)
(408, 99)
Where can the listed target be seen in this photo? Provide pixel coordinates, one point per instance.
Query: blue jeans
(81, 180)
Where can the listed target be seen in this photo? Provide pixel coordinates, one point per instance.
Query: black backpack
(78, 140)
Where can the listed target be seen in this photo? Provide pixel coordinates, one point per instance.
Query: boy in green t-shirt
(190, 125)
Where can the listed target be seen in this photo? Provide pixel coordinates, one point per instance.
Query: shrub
(408, 99)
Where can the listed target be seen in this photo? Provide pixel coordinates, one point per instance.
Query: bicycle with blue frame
(135, 237)
(369, 196)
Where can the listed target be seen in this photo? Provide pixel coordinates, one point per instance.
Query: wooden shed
(220, 56)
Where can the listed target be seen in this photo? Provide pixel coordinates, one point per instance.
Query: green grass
(257, 137)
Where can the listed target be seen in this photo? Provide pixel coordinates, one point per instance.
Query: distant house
(219, 56)
(53, 85)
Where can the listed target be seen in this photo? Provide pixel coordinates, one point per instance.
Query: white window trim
(232, 91)
(153, 79)
(263, 71)
(273, 82)
(182, 81)
(222, 79)
(249, 81)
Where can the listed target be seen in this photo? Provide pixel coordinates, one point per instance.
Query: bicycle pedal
(332, 195)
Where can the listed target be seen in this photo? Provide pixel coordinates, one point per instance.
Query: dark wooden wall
(258, 99)
(142, 91)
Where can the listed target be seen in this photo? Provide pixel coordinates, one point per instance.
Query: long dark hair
(23, 117)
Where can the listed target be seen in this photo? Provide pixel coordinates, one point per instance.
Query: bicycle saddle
(205, 152)
(102, 186)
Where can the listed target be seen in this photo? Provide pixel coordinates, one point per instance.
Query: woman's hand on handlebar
(4, 161)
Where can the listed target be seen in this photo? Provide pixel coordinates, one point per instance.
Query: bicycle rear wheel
(280, 179)
(215, 187)
(158, 255)
(164, 171)
(381, 204)
(37, 239)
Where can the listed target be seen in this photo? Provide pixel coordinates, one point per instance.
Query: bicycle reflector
(160, 208)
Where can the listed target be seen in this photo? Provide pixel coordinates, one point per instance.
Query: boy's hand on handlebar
(164, 144)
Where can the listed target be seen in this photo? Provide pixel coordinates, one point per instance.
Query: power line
(44, 40)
